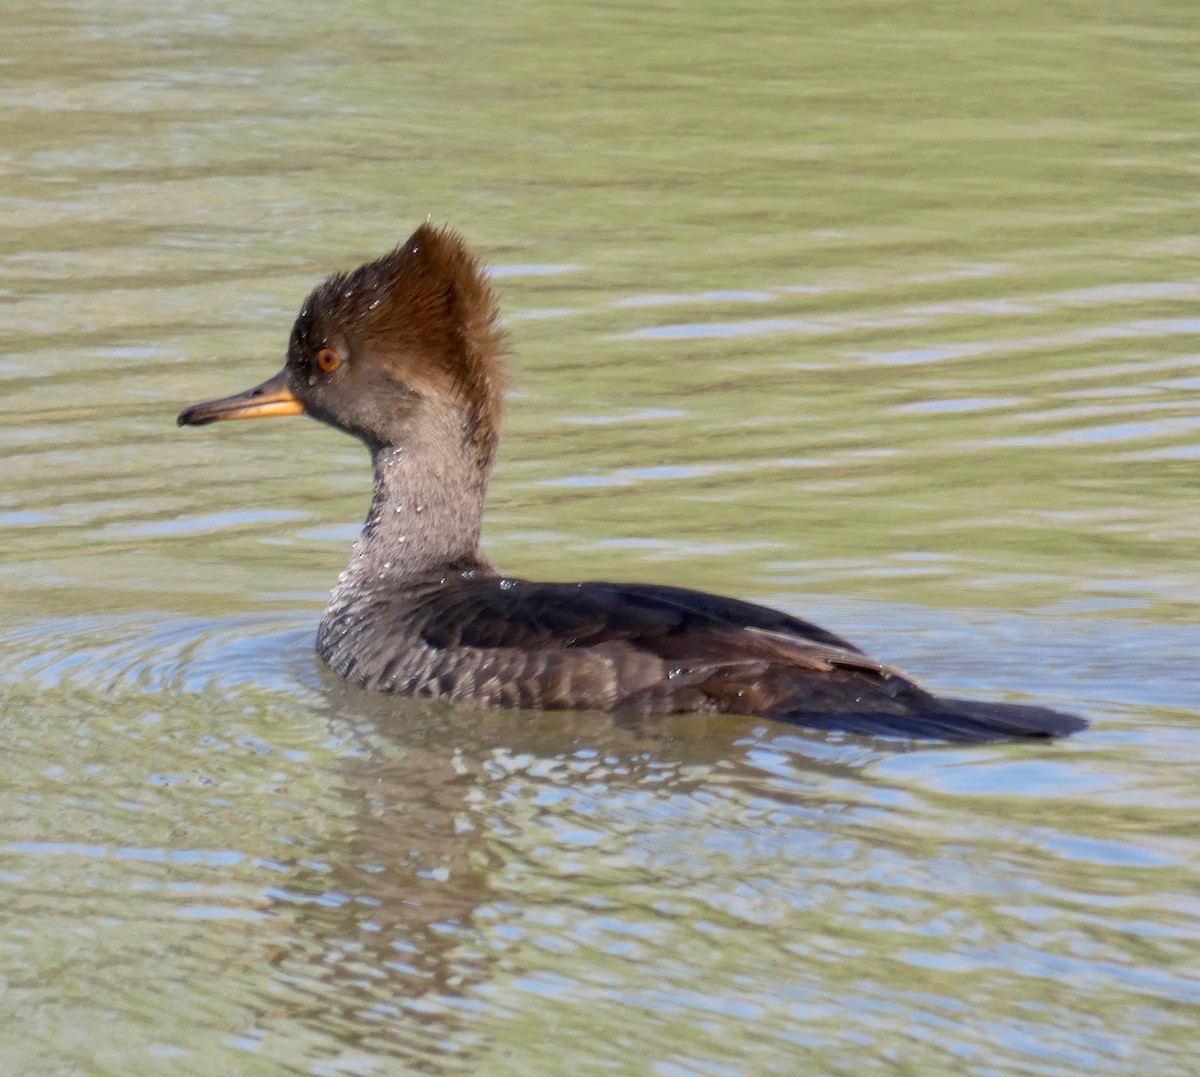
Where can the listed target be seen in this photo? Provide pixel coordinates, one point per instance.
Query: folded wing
(640, 650)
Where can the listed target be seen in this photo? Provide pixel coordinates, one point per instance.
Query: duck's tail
(936, 718)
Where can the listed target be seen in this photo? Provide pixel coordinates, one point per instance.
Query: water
(883, 315)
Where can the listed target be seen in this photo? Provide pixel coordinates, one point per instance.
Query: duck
(406, 353)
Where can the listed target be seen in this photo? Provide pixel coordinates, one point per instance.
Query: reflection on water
(888, 322)
(386, 879)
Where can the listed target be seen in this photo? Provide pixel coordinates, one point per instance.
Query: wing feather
(640, 650)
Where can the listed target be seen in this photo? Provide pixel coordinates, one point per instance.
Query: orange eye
(328, 360)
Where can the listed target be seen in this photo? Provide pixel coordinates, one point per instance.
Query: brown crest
(428, 307)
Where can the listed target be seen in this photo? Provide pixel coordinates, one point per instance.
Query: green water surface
(885, 314)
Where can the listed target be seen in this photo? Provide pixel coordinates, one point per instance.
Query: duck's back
(637, 650)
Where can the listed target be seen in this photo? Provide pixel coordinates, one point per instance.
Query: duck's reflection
(458, 822)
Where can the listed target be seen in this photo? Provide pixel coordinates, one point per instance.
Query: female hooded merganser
(405, 353)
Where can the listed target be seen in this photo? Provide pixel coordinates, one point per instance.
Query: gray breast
(378, 643)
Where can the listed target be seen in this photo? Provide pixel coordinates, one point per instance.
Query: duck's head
(406, 346)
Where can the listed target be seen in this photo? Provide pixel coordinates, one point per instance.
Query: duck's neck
(425, 517)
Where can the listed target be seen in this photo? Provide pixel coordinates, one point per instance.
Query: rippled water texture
(885, 314)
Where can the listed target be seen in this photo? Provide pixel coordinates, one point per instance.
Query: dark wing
(643, 649)
(475, 612)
